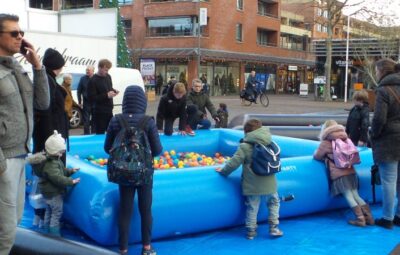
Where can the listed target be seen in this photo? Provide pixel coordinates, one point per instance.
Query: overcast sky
(386, 7)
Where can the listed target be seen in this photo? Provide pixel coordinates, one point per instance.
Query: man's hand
(111, 94)
(31, 56)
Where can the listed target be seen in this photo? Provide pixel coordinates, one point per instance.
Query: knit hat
(55, 143)
(52, 59)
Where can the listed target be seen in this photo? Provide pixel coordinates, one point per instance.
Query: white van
(121, 78)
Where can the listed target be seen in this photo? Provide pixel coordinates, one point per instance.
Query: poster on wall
(148, 71)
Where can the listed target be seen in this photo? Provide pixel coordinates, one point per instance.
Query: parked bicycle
(247, 99)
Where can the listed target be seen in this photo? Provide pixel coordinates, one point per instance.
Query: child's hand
(75, 181)
(75, 169)
(182, 132)
(218, 169)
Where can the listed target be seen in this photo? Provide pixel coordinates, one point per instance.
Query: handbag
(375, 180)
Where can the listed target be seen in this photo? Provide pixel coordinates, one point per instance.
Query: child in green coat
(254, 187)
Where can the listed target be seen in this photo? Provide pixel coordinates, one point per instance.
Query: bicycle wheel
(245, 102)
(264, 100)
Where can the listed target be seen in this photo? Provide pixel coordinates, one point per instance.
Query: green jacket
(252, 184)
(55, 178)
(202, 101)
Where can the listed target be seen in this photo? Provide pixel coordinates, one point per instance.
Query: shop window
(180, 26)
(239, 32)
(41, 4)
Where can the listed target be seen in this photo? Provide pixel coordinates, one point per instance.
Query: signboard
(203, 16)
(292, 68)
(320, 80)
(303, 89)
(148, 70)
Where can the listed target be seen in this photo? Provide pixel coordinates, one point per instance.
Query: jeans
(252, 205)
(390, 173)
(12, 199)
(54, 211)
(168, 126)
(87, 118)
(126, 198)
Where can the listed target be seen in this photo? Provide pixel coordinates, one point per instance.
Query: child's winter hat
(55, 143)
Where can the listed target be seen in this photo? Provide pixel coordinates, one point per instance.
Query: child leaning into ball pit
(254, 187)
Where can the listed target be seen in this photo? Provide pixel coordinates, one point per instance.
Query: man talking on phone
(18, 96)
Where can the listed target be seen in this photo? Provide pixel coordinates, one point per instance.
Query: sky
(389, 8)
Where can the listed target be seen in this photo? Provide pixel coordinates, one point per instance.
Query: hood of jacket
(333, 132)
(390, 79)
(11, 63)
(261, 135)
(134, 100)
(36, 158)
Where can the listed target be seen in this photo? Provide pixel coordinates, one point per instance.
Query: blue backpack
(266, 159)
(130, 161)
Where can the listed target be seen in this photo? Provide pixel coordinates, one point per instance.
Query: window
(239, 36)
(41, 4)
(76, 4)
(319, 12)
(324, 29)
(319, 27)
(123, 2)
(239, 4)
(180, 26)
(262, 37)
(325, 14)
(127, 23)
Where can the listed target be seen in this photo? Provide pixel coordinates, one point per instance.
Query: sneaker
(396, 221)
(189, 131)
(149, 252)
(251, 234)
(274, 231)
(388, 224)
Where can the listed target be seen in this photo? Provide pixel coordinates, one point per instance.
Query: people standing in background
(83, 100)
(69, 101)
(170, 84)
(223, 116)
(385, 139)
(18, 98)
(358, 120)
(101, 94)
(159, 83)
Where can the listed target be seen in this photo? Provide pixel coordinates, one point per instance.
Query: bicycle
(247, 100)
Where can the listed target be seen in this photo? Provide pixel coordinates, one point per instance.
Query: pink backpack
(345, 154)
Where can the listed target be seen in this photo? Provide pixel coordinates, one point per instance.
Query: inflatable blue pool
(197, 199)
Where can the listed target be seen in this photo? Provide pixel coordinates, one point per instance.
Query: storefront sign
(148, 70)
(342, 63)
(292, 68)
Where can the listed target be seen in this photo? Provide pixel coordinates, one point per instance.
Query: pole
(198, 40)
(346, 79)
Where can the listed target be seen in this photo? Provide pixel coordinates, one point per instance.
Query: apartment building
(239, 36)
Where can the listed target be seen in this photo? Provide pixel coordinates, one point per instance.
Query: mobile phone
(22, 50)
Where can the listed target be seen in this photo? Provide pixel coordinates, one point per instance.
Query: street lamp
(346, 79)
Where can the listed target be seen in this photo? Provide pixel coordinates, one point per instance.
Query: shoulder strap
(143, 122)
(122, 121)
(393, 93)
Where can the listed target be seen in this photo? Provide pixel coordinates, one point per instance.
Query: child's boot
(274, 231)
(251, 233)
(54, 231)
(367, 214)
(360, 220)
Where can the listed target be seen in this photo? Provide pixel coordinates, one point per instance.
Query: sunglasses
(14, 33)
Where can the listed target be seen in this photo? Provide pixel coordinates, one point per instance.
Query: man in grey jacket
(18, 97)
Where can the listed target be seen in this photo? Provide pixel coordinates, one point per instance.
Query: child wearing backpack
(343, 180)
(53, 180)
(255, 188)
(134, 106)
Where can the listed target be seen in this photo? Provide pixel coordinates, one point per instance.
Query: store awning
(207, 54)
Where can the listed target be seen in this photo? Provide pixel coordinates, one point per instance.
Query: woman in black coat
(134, 106)
(385, 138)
(54, 118)
(358, 121)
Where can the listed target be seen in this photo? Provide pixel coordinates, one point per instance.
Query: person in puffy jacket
(385, 139)
(134, 106)
(343, 180)
(358, 120)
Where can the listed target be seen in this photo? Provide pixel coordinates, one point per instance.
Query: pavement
(278, 104)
